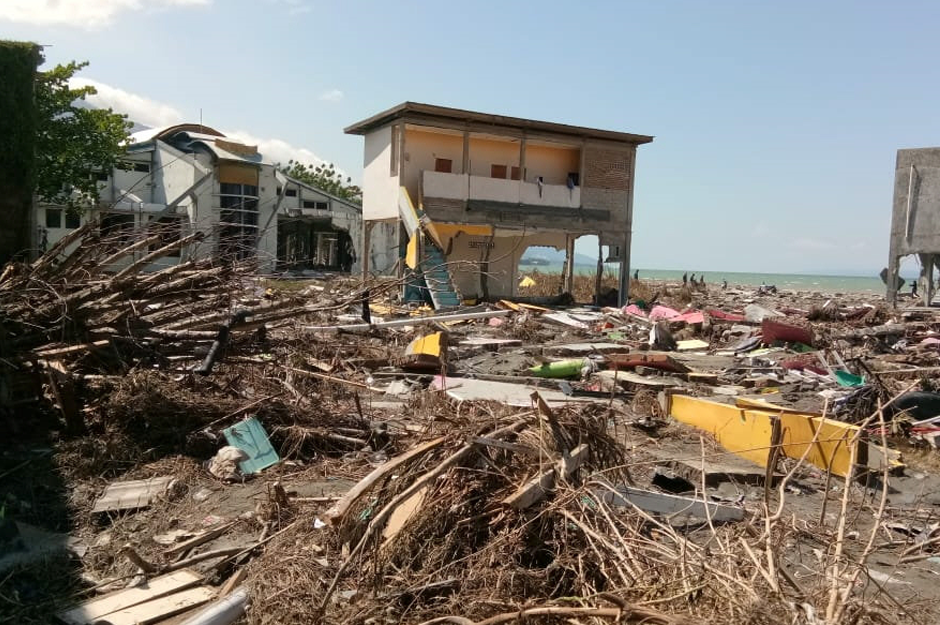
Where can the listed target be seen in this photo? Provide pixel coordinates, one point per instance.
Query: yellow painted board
(833, 443)
(431, 345)
(411, 252)
(748, 432)
(449, 230)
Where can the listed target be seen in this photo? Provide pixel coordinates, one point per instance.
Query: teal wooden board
(250, 437)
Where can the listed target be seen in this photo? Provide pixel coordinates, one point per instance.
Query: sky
(776, 123)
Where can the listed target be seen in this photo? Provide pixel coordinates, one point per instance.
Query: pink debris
(663, 312)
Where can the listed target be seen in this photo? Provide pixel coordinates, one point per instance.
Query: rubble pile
(269, 451)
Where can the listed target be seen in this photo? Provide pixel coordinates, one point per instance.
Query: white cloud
(85, 14)
(333, 95)
(140, 109)
(277, 150)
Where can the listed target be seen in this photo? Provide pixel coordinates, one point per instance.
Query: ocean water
(784, 281)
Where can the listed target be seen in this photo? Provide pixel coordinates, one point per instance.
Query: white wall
(380, 189)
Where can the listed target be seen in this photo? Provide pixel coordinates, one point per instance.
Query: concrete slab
(469, 389)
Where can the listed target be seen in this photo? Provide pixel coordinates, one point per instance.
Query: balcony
(464, 187)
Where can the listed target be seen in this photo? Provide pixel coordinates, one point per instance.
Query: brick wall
(607, 167)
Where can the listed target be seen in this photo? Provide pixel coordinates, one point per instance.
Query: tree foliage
(73, 140)
(324, 177)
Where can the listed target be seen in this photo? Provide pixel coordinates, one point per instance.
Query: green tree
(73, 140)
(324, 177)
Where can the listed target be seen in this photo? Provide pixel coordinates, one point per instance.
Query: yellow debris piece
(748, 432)
(425, 352)
(526, 282)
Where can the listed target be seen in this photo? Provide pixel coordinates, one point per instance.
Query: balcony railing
(466, 187)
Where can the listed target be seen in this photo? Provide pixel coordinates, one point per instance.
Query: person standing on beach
(692, 279)
(636, 274)
(685, 278)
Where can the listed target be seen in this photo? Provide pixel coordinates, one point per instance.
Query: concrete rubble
(232, 449)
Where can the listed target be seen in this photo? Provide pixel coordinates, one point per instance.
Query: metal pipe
(224, 611)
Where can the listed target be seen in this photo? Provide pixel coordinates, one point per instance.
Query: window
(117, 228)
(317, 205)
(574, 179)
(134, 166)
(291, 193)
(53, 217)
(170, 230)
(443, 165)
(498, 171)
(514, 173)
(238, 220)
(279, 189)
(73, 219)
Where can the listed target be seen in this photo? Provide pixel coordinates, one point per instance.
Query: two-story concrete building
(473, 191)
(191, 178)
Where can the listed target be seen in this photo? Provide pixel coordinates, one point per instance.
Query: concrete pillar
(465, 169)
(569, 265)
(366, 248)
(927, 278)
(600, 269)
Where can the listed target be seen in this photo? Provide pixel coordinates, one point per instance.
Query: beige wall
(553, 164)
(503, 260)
(487, 152)
(421, 150)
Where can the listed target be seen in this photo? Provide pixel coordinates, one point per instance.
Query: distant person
(914, 288)
(701, 280)
(692, 280)
(636, 274)
(685, 278)
(724, 285)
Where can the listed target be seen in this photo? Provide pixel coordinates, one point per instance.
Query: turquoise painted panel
(250, 437)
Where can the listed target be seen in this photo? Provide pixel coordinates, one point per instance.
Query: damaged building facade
(915, 218)
(460, 195)
(190, 178)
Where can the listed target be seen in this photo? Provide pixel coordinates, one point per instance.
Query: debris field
(202, 445)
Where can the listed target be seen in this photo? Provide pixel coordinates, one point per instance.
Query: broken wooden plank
(91, 611)
(402, 514)
(539, 486)
(131, 495)
(675, 508)
(339, 510)
(158, 609)
(58, 352)
(195, 541)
